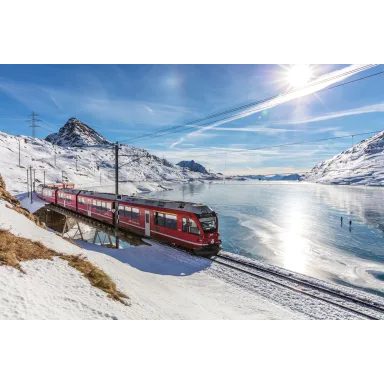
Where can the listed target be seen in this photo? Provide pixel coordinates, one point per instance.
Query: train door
(147, 224)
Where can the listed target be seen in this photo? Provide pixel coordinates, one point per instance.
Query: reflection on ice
(297, 226)
(292, 240)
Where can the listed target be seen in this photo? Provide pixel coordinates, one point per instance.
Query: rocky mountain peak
(193, 166)
(75, 133)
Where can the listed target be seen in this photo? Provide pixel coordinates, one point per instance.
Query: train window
(171, 221)
(208, 223)
(109, 206)
(188, 225)
(125, 211)
(185, 224)
(159, 219)
(193, 228)
(135, 214)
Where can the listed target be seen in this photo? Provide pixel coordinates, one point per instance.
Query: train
(192, 226)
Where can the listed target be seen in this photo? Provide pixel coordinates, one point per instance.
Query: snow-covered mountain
(89, 167)
(75, 133)
(277, 177)
(361, 164)
(193, 166)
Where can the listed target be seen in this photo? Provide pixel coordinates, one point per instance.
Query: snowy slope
(361, 164)
(140, 171)
(161, 282)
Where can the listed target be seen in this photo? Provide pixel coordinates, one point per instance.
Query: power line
(239, 150)
(308, 141)
(189, 124)
(241, 113)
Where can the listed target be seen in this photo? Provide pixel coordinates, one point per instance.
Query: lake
(297, 226)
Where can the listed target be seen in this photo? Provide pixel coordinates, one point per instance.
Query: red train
(189, 225)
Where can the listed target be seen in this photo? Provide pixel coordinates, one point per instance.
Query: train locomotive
(192, 226)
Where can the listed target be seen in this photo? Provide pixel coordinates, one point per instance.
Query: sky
(130, 102)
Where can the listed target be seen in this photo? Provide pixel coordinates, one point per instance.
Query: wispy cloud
(260, 129)
(93, 102)
(234, 159)
(312, 87)
(373, 108)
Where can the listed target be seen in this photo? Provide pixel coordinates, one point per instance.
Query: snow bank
(161, 282)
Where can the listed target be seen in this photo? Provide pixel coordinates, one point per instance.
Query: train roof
(187, 206)
(170, 204)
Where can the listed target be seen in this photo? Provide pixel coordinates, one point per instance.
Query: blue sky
(126, 101)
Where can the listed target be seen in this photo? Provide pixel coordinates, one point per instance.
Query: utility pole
(76, 163)
(116, 168)
(44, 177)
(62, 176)
(116, 192)
(33, 123)
(34, 180)
(19, 155)
(30, 178)
(54, 149)
(28, 181)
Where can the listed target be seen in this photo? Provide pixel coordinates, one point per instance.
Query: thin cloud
(373, 108)
(312, 87)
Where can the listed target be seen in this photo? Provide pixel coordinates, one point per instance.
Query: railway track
(371, 310)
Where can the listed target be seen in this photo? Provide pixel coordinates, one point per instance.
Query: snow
(361, 164)
(139, 171)
(25, 202)
(161, 282)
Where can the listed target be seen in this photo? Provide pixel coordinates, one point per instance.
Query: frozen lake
(297, 226)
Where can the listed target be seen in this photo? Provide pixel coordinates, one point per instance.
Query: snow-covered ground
(162, 283)
(361, 164)
(88, 166)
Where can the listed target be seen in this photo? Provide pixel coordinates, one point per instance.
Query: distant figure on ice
(341, 221)
(350, 225)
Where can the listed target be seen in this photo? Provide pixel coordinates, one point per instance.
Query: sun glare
(299, 75)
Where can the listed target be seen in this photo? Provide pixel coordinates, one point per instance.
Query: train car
(189, 225)
(47, 193)
(67, 198)
(97, 205)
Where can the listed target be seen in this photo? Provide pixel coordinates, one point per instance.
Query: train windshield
(208, 223)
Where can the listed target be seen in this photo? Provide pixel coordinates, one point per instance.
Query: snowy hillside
(86, 166)
(361, 164)
(75, 133)
(160, 282)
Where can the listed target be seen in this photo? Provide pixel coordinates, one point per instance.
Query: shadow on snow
(157, 259)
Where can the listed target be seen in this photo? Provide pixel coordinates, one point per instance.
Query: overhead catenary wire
(192, 124)
(184, 128)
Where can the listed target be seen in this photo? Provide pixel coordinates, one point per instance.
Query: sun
(299, 75)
